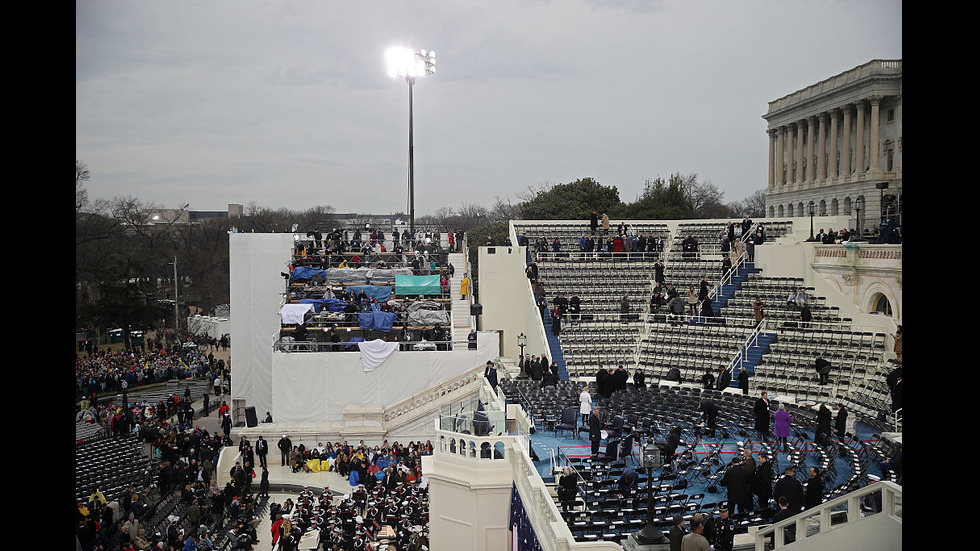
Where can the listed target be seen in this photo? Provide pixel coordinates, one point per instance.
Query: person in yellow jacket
(464, 286)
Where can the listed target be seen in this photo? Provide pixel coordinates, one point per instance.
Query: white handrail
(891, 495)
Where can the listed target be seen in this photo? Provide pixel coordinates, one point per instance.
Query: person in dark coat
(673, 441)
(824, 420)
(710, 411)
(674, 375)
(621, 378)
(762, 482)
(603, 382)
(840, 424)
(595, 430)
(761, 413)
(537, 370)
(791, 489)
(814, 489)
(639, 380)
(567, 488)
(823, 369)
(491, 374)
(737, 480)
(724, 378)
(743, 380)
(708, 380)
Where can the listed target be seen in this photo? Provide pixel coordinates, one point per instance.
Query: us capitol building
(838, 144)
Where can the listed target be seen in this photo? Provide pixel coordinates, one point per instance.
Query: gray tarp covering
(361, 276)
(427, 313)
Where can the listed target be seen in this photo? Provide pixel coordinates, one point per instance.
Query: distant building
(838, 143)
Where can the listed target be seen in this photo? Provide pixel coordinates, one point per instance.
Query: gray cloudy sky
(289, 104)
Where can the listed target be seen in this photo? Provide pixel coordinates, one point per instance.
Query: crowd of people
(387, 498)
(352, 248)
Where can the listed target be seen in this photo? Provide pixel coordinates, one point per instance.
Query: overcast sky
(289, 103)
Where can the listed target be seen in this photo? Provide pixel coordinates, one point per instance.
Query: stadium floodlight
(410, 65)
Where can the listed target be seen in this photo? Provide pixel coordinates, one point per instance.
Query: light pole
(858, 207)
(811, 210)
(410, 65)
(650, 459)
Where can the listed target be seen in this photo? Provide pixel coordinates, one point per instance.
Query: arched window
(882, 305)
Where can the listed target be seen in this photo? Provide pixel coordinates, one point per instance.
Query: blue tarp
(380, 292)
(305, 273)
(352, 343)
(417, 285)
(381, 321)
(316, 302)
(334, 304)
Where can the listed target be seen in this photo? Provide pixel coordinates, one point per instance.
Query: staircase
(462, 321)
(728, 290)
(755, 353)
(554, 348)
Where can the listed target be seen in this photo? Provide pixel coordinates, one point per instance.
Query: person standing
(781, 426)
(724, 379)
(262, 450)
(567, 488)
(759, 309)
(677, 534)
(736, 479)
(761, 414)
(491, 374)
(285, 445)
(464, 286)
(585, 404)
(840, 424)
(695, 541)
(595, 430)
(207, 404)
(762, 483)
(743, 381)
(724, 531)
(814, 489)
(790, 488)
(621, 378)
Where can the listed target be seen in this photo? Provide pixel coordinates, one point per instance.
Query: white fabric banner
(374, 353)
(294, 313)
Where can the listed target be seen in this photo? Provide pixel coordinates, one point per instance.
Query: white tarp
(374, 353)
(294, 313)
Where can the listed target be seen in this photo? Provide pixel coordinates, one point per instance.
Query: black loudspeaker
(251, 420)
(662, 318)
(476, 310)
(587, 317)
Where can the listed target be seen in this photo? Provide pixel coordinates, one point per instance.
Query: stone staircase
(462, 321)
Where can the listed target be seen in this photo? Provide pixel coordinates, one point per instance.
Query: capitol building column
(811, 166)
(772, 158)
(822, 149)
(834, 152)
(859, 146)
(780, 141)
(800, 173)
(875, 121)
(845, 154)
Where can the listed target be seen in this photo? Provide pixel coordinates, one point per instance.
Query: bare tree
(81, 176)
(706, 198)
